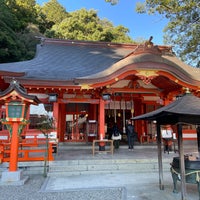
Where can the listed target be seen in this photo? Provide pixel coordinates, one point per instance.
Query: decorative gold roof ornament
(86, 87)
(146, 75)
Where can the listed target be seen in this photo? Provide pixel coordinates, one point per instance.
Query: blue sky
(140, 25)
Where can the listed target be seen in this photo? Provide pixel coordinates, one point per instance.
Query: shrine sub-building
(87, 86)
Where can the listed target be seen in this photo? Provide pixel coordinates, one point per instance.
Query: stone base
(13, 178)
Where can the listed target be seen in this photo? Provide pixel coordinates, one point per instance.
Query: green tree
(17, 42)
(22, 20)
(120, 34)
(183, 28)
(49, 14)
(42, 22)
(85, 25)
(24, 10)
(54, 12)
(9, 46)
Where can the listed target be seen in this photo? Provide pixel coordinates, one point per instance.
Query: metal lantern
(17, 103)
(16, 111)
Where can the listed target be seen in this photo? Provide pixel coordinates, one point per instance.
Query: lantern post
(17, 103)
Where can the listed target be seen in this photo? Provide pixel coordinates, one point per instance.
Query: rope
(189, 173)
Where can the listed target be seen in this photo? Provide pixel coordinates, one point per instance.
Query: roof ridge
(103, 44)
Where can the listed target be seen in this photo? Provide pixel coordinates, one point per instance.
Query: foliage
(25, 12)
(183, 28)
(22, 20)
(7, 35)
(54, 12)
(85, 25)
(42, 23)
(14, 33)
(46, 125)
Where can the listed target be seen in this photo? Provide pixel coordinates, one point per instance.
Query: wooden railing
(31, 147)
(27, 152)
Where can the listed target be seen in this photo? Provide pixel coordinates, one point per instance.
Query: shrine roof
(67, 60)
(185, 109)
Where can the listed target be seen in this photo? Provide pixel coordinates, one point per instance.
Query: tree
(54, 12)
(22, 20)
(49, 14)
(85, 25)
(17, 40)
(24, 10)
(9, 46)
(183, 28)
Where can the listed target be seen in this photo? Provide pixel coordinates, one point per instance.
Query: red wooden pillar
(14, 147)
(143, 128)
(101, 119)
(92, 112)
(138, 110)
(59, 114)
(62, 122)
(57, 118)
(101, 123)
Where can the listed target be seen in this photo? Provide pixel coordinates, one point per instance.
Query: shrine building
(88, 86)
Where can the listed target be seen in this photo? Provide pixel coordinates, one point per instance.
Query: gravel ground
(33, 190)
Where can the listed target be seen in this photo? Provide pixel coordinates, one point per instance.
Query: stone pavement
(140, 186)
(117, 186)
(125, 186)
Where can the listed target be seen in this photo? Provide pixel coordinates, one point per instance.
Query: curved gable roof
(149, 61)
(67, 60)
(77, 61)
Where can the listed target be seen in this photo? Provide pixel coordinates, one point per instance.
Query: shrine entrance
(76, 124)
(81, 124)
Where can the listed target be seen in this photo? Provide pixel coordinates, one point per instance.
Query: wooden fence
(31, 148)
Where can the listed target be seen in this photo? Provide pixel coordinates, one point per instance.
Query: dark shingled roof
(73, 61)
(186, 109)
(66, 62)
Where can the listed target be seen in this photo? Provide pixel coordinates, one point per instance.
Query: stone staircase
(77, 159)
(80, 167)
(100, 166)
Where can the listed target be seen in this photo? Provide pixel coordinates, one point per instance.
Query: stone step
(36, 167)
(101, 166)
(78, 167)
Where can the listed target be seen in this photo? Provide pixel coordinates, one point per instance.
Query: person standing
(167, 136)
(116, 136)
(130, 135)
